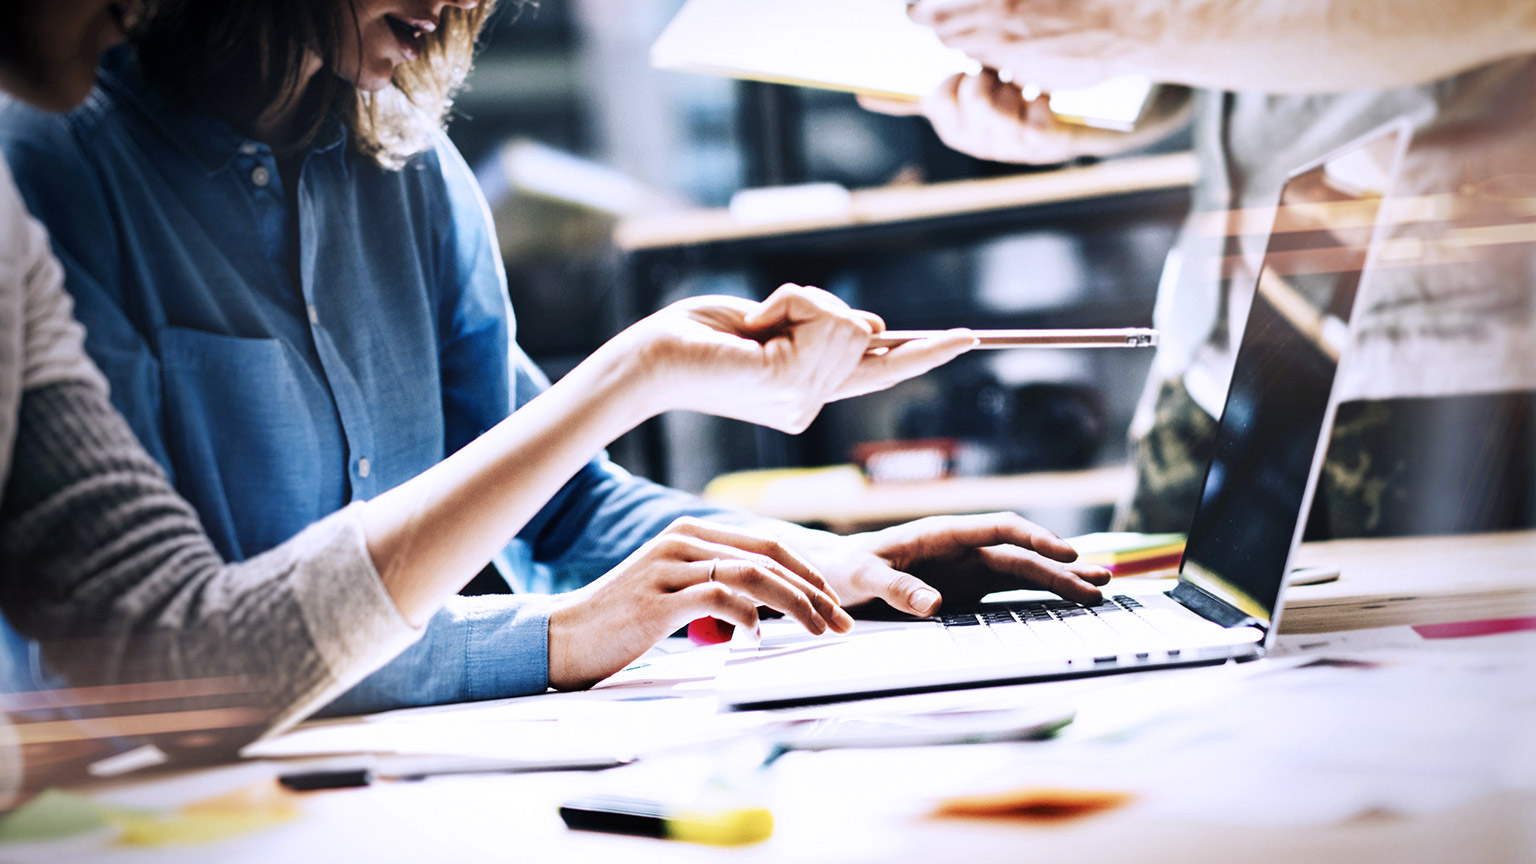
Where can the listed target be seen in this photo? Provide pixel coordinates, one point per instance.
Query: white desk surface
(854, 806)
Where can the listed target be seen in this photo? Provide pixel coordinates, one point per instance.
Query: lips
(410, 33)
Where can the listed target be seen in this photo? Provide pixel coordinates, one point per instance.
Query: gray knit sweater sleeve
(109, 570)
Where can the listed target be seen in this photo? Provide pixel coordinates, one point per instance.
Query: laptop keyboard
(1114, 624)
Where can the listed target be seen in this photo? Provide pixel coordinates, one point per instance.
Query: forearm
(1276, 46)
(428, 535)
(109, 570)
(1300, 46)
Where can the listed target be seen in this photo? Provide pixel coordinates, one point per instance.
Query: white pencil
(1121, 337)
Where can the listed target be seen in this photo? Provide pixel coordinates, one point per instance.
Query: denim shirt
(282, 358)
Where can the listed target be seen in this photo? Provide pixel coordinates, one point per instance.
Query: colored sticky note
(52, 815)
(1033, 803)
(1464, 629)
(253, 808)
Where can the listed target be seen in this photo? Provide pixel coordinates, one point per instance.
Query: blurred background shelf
(891, 205)
(840, 499)
(610, 183)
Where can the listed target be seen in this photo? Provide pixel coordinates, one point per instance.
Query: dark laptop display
(1265, 460)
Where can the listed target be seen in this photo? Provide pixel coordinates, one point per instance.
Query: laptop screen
(1263, 464)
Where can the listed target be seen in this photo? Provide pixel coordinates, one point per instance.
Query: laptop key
(1019, 638)
(975, 639)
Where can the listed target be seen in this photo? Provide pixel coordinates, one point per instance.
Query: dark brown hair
(236, 59)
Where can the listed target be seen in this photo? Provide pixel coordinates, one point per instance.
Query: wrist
(562, 630)
(624, 376)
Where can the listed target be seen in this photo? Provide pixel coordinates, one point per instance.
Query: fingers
(816, 341)
(779, 590)
(981, 530)
(879, 371)
(981, 554)
(716, 600)
(1008, 568)
(990, 118)
(903, 591)
(758, 567)
(792, 304)
(758, 544)
(890, 107)
(1020, 568)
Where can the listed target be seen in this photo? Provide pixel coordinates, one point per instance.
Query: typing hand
(916, 566)
(691, 570)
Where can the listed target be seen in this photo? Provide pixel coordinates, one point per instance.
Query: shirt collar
(212, 142)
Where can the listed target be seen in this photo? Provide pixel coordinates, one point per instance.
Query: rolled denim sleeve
(474, 648)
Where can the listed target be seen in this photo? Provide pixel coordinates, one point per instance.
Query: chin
(373, 85)
(378, 77)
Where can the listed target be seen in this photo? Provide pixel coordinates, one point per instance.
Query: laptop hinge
(1211, 607)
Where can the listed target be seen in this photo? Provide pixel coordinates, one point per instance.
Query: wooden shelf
(896, 204)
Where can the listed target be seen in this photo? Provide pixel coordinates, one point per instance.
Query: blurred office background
(570, 130)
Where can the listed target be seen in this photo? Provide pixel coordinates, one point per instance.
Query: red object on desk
(710, 631)
(1463, 629)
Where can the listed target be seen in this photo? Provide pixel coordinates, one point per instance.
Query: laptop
(1269, 444)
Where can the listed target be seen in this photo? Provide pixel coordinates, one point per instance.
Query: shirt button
(260, 176)
(314, 314)
(363, 468)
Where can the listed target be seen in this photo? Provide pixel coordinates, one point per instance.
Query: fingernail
(924, 600)
(844, 620)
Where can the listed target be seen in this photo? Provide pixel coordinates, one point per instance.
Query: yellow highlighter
(734, 826)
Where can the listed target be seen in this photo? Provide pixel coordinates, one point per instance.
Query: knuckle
(752, 577)
(815, 579)
(669, 542)
(775, 549)
(685, 525)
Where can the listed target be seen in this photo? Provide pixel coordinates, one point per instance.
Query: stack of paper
(1128, 553)
(869, 47)
(861, 46)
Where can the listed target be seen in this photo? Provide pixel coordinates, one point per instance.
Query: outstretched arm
(1276, 46)
(774, 363)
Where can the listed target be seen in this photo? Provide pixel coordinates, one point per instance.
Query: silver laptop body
(1257, 493)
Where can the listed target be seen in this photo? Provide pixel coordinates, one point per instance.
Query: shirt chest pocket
(252, 435)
